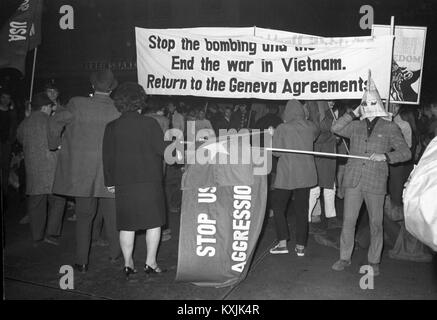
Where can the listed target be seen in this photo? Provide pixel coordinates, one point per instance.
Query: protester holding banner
(382, 141)
(296, 174)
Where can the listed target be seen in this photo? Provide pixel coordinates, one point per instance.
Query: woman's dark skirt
(140, 206)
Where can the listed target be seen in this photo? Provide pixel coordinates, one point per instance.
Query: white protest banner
(238, 63)
(408, 55)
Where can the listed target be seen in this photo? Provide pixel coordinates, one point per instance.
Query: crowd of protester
(62, 147)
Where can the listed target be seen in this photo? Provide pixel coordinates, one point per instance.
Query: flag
(20, 34)
(223, 207)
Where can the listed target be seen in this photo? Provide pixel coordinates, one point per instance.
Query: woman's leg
(152, 242)
(127, 239)
(280, 198)
(301, 198)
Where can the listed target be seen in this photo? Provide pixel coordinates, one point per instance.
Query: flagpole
(33, 74)
(392, 32)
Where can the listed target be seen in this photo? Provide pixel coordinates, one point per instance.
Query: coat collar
(101, 97)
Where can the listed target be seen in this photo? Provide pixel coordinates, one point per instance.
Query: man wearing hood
(380, 139)
(296, 173)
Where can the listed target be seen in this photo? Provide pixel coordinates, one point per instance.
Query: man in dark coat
(40, 165)
(79, 172)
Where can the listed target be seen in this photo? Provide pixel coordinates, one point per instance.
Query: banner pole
(316, 153)
(392, 32)
(33, 74)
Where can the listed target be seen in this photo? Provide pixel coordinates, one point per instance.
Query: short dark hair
(130, 96)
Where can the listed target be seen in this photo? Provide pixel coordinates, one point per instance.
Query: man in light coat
(79, 172)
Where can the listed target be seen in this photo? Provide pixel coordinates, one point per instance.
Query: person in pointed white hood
(374, 135)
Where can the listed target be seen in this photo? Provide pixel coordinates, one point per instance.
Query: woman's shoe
(128, 271)
(149, 270)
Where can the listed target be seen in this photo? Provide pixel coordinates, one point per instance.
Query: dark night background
(104, 30)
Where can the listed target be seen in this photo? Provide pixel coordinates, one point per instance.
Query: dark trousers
(398, 176)
(173, 193)
(40, 217)
(280, 199)
(86, 210)
(97, 233)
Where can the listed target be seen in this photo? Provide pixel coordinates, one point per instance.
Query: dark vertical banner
(20, 34)
(223, 208)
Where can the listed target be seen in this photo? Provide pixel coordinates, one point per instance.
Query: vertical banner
(408, 55)
(223, 208)
(20, 34)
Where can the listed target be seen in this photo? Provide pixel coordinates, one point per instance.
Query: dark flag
(20, 34)
(223, 208)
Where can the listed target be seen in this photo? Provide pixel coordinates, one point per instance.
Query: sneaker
(51, 240)
(300, 251)
(340, 265)
(279, 249)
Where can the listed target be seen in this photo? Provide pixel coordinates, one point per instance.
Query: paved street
(33, 273)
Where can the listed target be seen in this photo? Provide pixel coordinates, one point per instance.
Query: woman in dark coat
(133, 148)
